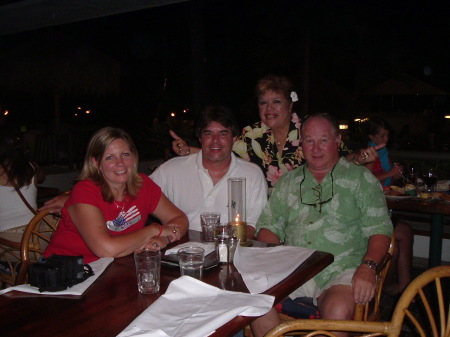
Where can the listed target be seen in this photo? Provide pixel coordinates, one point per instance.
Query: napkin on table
(98, 267)
(191, 308)
(209, 247)
(262, 268)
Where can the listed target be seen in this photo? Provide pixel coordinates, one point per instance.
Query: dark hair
(375, 124)
(13, 160)
(275, 83)
(324, 115)
(217, 114)
(98, 143)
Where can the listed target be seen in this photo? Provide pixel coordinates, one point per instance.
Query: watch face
(371, 264)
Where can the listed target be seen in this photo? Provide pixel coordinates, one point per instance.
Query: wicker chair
(16, 257)
(424, 305)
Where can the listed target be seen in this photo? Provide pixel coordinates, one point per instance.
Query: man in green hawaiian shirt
(332, 205)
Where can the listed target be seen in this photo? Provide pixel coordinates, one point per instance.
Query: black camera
(58, 272)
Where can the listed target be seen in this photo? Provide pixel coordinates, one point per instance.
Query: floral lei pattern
(257, 145)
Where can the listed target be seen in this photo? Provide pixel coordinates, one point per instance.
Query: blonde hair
(97, 146)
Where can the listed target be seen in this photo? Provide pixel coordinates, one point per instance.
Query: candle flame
(237, 218)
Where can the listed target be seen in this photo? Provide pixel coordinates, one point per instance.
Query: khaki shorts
(311, 289)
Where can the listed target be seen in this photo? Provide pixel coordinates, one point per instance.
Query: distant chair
(423, 306)
(15, 257)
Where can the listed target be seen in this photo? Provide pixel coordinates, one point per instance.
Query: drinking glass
(209, 221)
(430, 180)
(191, 261)
(148, 267)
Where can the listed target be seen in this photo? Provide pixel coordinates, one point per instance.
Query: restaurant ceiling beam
(21, 16)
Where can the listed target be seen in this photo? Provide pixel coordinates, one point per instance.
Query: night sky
(353, 45)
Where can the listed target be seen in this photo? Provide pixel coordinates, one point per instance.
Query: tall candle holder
(237, 208)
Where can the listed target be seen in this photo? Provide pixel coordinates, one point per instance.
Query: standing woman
(16, 172)
(106, 212)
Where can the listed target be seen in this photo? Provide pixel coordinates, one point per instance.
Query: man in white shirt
(198, 183)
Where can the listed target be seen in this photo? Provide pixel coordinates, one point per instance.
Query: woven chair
(424, 307)
(16, 257)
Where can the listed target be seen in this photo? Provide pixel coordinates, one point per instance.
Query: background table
(113, 301)
(438, 209)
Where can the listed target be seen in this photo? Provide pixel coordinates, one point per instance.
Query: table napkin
(262, 268)
(191, 308)
(209, 247)
(98, 267)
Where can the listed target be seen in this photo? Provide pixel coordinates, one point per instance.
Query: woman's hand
(179, 146)
(365, 156)
(396, 172)
(156, 243)
(171, 232)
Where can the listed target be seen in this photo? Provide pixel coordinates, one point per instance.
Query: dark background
(213, 51)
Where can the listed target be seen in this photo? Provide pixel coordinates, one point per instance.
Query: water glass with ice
(148, 267)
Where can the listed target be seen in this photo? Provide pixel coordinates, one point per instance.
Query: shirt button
(310, 222)
(309, 242)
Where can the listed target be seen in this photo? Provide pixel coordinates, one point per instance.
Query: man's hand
(56, 204)
(179, 146)
(364, 283)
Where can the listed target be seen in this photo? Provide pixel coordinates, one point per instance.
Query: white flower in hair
(294, 96)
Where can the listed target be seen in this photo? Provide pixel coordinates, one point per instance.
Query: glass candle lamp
(237, 207)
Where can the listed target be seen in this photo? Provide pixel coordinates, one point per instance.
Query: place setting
(414, 184)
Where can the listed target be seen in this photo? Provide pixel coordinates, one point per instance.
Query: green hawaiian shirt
(337, 216)
(257, 144)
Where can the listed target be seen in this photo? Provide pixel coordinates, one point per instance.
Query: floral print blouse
(257, 144)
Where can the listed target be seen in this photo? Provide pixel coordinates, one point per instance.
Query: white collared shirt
(189, 186)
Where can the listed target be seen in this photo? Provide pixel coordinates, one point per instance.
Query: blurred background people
(400, 272)
(378, 131)
(17, 172)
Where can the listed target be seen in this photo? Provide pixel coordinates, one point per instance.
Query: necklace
(120, 207)
(123, 203)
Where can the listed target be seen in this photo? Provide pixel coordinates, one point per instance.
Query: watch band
(372, 264)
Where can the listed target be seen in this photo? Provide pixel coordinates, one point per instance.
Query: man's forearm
(377, 248)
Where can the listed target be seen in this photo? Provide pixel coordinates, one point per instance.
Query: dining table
(112, 302)
(437, 208)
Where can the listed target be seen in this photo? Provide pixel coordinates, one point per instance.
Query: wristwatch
(372, 264)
